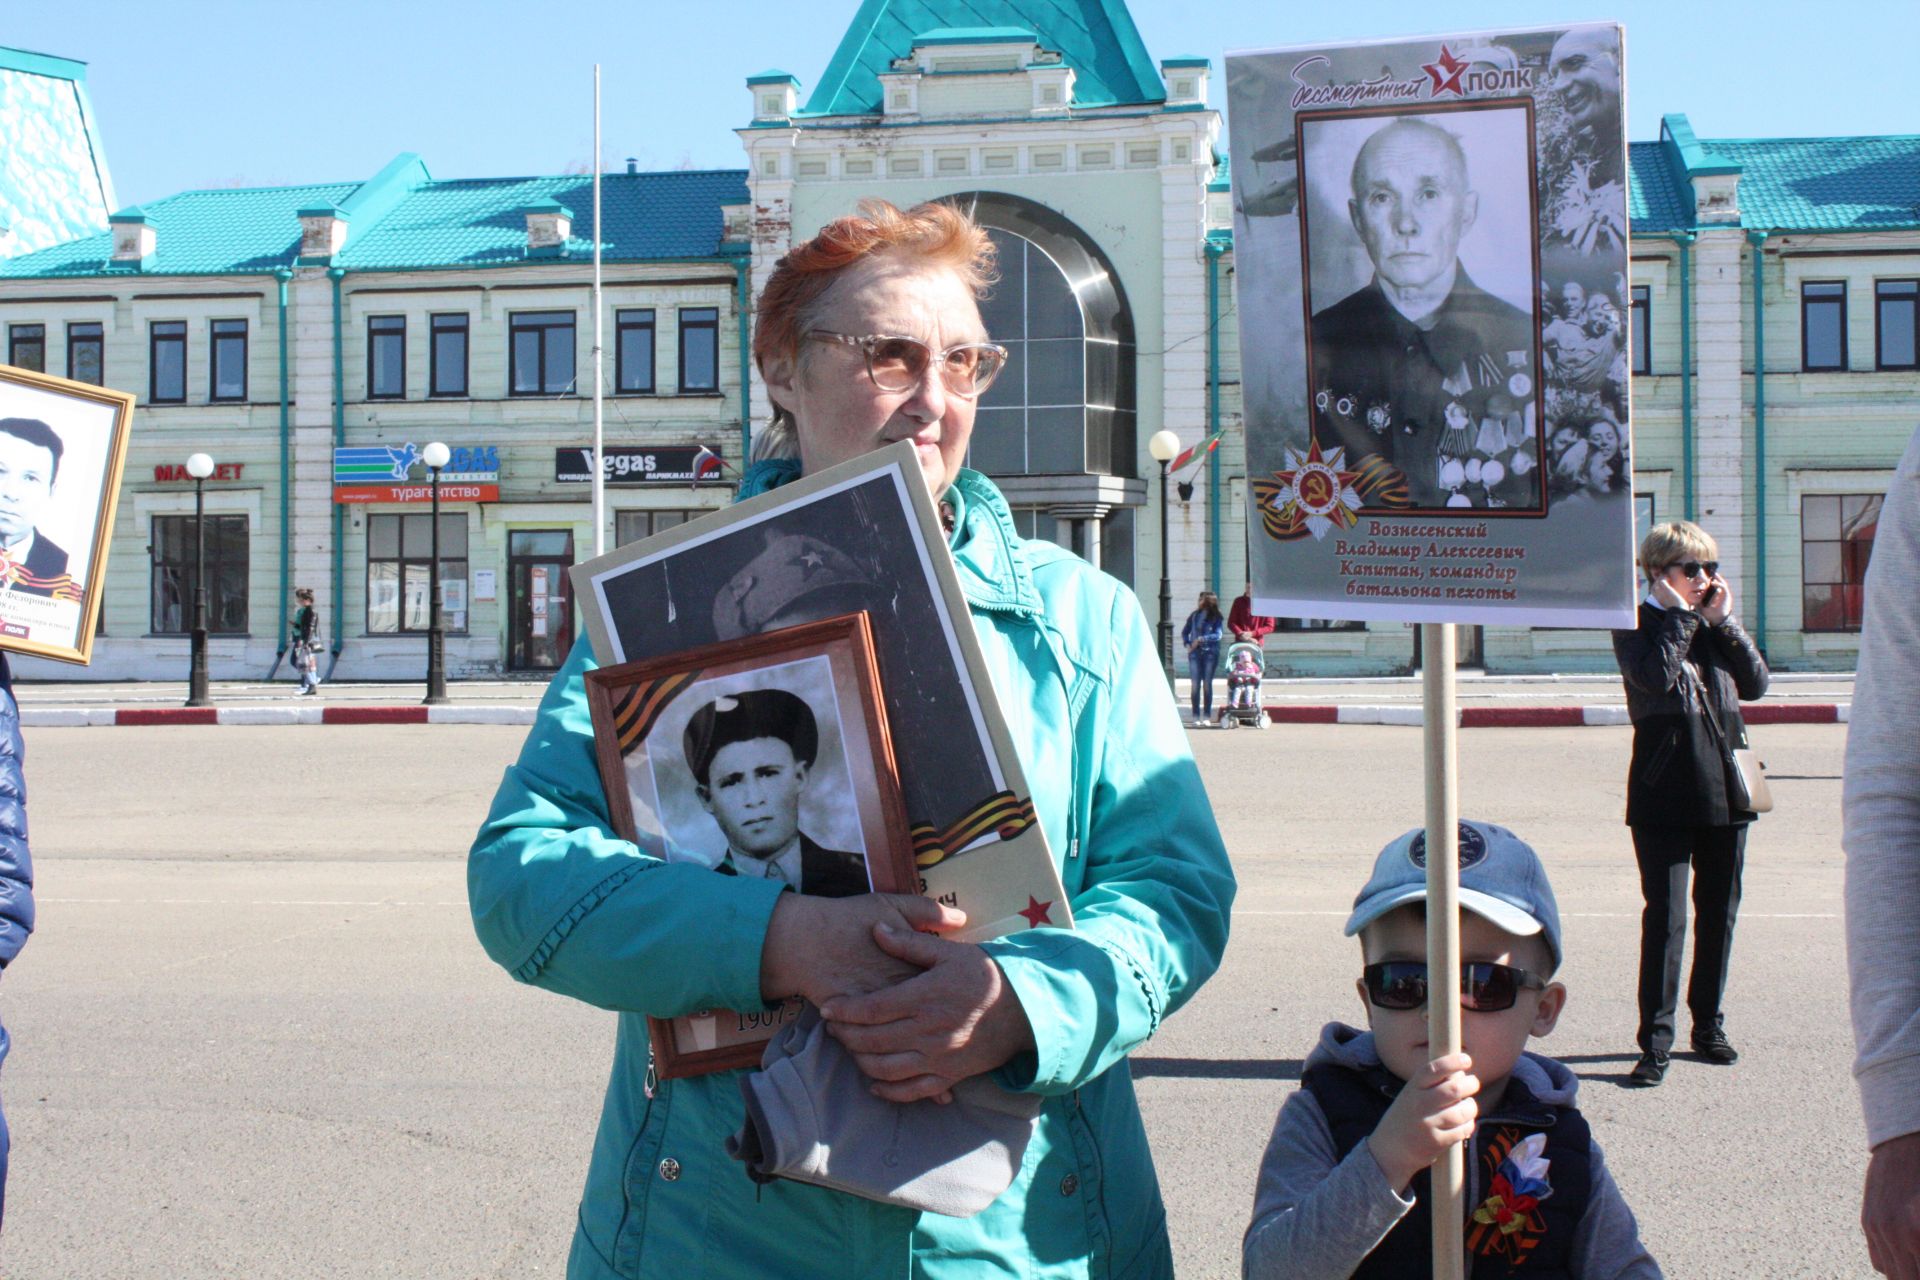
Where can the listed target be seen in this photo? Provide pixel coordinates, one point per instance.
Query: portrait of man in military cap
(751, 755)
(1422, 365)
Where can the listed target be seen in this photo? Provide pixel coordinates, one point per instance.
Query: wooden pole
(1441, 720)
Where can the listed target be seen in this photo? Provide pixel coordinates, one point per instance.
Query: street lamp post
(199, 466)
(1163, 446)
(435, 456)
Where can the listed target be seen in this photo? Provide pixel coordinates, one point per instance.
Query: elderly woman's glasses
(900, 364)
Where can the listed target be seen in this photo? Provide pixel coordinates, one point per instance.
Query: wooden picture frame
(760, 755)
(67, 441)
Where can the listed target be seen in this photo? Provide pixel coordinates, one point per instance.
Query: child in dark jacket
(1344, 1186)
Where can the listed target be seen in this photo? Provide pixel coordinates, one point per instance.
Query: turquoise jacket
(563, 903)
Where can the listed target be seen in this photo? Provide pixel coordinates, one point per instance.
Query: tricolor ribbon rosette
(1519, 1185)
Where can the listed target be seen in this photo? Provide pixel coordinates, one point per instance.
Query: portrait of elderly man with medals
(1421, 367)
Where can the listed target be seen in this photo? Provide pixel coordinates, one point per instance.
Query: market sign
(627, 465)
(384, 473)
(170, 472)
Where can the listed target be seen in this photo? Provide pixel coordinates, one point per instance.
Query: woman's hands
(824, 947)
(957, 1018)
(1667, 596)
(1717, 605)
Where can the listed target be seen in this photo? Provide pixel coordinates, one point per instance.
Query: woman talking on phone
(1687, 668)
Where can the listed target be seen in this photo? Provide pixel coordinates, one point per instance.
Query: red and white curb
(1544, 717)
(87, 717)
(1555, 717)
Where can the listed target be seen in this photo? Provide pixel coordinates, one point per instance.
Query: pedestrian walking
(1202, 634)
(1687, 667)
(1882, 837)
(303, 641)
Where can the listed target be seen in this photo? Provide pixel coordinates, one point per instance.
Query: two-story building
(54, 183)
(314, 339)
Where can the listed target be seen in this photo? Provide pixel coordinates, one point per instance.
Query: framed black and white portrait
(62, 449)
(765, 756)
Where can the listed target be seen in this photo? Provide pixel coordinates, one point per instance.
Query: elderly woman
(868, 334)
(1687, 667)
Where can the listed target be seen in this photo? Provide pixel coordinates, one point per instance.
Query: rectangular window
(449, 357)
(633, 352)
(229, 371)
(172, 575)
(1642, 328)
(386, 357)
(1896, 308)
(699, 349)
(167, 362)
(1836, 541)
(86, 345)
(27, 347)
(540, 353)
(631, 526)
(1823, 325)
(399, 564)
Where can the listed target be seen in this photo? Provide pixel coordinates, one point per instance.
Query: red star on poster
(1037, 912)
(1316, 492)
(1445, 74)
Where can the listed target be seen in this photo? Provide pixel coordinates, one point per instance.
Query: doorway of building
(540, 608)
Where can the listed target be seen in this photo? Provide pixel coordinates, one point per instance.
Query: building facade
(299, 334)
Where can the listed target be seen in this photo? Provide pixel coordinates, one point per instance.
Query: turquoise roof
(1096, 38)
(976, 35)
(401, 220)
(773, 76)
(41, 64)
(198, 233)
(1786, 184)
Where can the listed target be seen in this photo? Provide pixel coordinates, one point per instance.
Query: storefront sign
(385, 473)
(168, 472)
(626, 465)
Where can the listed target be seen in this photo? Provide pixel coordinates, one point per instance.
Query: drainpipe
(339, 440)
(743, 313)
(286, 476)
(1214, 250)
(1756, 239)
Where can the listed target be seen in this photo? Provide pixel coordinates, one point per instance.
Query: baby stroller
(1246, 664)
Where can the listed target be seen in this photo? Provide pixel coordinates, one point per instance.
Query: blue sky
(211, 93)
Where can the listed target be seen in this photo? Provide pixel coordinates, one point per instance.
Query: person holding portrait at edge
(870, 333)
(1201, 634)
(1687, 667)
(16, 866)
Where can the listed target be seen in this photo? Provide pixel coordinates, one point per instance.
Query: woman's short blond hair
(1673, 543)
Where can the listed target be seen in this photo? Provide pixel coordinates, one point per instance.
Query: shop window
(1642, 297)
(172, 557)
(86, 346)
(1896, 310)
(448, 356)
(632, 526)
(1836, 541)
(633, 352)
(399, 565)
(1823, 325)
(27, 347)
(699, 350)
(167, 362)
(229, 368)
(386, 357)
(540, 353)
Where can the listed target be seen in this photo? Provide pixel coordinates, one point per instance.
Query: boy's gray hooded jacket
(1315, 1216)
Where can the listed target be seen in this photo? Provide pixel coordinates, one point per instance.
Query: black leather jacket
(1678, 776)
(16, 864)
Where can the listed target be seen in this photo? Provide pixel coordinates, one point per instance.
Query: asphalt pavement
(254, 1036)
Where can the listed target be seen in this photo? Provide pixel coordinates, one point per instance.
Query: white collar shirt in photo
(784, 865)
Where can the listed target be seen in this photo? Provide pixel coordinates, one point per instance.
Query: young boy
(1345, 1185)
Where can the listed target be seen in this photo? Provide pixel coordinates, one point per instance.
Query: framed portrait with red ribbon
(860, 538)
(765, 757)
(63, 446)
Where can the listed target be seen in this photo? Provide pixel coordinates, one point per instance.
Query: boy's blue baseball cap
(1501, 880)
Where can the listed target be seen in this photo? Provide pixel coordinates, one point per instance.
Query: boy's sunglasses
(1694, 568)
(1484, 988)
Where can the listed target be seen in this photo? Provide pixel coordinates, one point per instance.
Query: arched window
(1032, 420)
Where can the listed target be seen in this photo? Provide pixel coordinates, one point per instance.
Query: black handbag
(1747, 787)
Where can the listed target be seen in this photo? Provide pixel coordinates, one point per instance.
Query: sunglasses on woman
(1484, 987)
(1694, 568)
(901, 364)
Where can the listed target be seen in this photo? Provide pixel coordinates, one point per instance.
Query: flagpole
(1441, 743)
(599, 350)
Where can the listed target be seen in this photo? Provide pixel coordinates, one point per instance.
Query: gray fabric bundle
(811, 1118)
